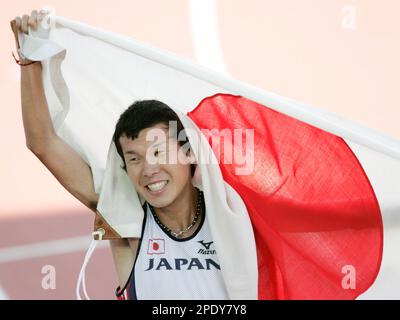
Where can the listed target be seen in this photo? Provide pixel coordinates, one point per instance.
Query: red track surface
(22, 278)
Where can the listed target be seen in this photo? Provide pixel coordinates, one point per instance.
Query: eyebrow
(153, 145)
(130, 152)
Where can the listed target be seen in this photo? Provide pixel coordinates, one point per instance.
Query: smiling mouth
(157, 186)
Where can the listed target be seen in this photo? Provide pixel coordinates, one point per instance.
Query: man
(175, 218)
(174, 250)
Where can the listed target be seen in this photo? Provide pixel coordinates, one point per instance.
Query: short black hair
(143, 114)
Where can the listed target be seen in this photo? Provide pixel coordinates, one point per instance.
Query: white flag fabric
(91, 76)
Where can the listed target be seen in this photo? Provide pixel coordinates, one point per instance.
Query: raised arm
(62, 160)
(58, 156)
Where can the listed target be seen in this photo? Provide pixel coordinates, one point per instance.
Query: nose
(150, 169)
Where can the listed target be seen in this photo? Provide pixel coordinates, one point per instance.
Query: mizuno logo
(206, 244)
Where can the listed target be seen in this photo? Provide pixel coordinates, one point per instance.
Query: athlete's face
(157, 165)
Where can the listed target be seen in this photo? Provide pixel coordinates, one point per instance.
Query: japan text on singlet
(169, 268)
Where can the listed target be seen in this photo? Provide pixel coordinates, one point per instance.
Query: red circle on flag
(155, 246)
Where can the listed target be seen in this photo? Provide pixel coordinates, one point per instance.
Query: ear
(190, 155)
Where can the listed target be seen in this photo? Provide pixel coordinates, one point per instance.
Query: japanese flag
(156, 246)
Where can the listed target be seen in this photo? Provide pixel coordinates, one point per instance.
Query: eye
(157, 152)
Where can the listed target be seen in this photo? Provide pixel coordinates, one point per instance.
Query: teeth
(157, 186)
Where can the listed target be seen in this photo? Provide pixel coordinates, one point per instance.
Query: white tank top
(170, 268)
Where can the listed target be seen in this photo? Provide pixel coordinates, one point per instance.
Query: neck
(180, 213)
